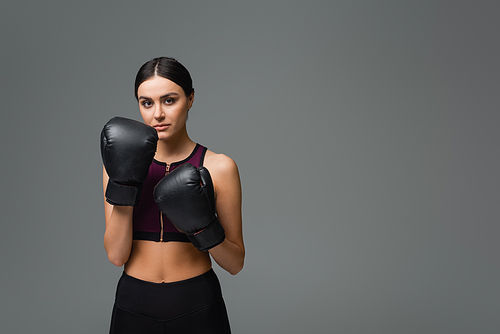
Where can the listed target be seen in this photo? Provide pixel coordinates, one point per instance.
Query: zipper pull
(168, 169)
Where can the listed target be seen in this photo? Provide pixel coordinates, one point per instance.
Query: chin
(163, 136)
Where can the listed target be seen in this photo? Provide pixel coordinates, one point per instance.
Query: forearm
(228, 256)
(118, 235)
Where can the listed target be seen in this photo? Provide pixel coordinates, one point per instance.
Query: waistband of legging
(209, 273)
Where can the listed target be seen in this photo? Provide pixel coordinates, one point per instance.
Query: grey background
(366, 133)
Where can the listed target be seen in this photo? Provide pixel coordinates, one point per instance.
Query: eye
(169, 100)
(146, 104)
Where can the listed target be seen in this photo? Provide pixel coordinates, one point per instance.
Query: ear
(190, 100)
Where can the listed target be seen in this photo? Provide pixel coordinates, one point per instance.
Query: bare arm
(230, 254)
(118, 234)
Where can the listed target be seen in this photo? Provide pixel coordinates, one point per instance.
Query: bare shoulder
(224, 173)
(219, 163)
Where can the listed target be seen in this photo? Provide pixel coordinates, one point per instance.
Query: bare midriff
(164, 262)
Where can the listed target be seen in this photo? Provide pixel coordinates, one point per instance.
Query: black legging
(191, 306)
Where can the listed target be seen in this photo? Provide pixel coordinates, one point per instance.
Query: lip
(161, 127)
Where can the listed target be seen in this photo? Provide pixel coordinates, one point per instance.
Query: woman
(168, 285)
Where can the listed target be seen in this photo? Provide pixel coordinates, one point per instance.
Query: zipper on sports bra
(167, 170)
(161, 226)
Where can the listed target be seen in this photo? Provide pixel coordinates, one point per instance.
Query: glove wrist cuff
(123, 195)
(209, 237)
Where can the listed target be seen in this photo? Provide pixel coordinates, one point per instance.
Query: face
(164, 106)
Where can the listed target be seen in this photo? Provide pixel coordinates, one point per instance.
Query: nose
(158, 113)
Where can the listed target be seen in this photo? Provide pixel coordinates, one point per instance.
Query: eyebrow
(161, 97)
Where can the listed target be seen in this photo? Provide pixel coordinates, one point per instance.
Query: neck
(175, 148)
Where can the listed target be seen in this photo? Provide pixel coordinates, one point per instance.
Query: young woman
(170, 206)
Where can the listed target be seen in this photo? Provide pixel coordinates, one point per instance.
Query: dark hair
(168, 68)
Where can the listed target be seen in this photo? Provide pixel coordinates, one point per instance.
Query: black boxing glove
(186, 196)
(127, 150)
